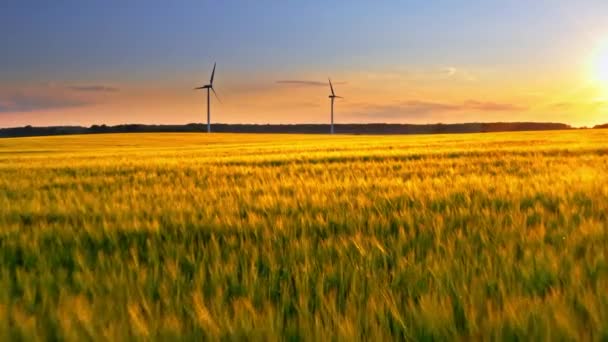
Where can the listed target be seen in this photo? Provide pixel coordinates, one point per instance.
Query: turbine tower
(209, 88)
(332, 97)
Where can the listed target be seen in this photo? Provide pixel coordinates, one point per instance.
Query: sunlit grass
(286, 236)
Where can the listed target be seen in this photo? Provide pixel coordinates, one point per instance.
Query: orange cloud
(423, 109)
(307, 83)
(94, 88)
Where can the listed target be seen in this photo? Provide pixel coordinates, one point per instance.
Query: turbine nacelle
(333, 93)
(210, 85)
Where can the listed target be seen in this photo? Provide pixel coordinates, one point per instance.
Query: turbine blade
(332, 88)
(339, 97)
(199, 88)
(217, 97)
(212, 74)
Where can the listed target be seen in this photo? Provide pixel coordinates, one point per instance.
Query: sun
(599, 68)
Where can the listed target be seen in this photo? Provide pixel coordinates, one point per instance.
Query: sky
(69, 62)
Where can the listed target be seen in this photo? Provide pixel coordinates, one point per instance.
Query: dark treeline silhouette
(378, 128)
(602, 126)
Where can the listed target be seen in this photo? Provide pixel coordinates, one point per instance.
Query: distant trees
(375, 128)
(99, 129)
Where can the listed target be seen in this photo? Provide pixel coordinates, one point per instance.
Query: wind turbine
(332, 97)
(209, 88)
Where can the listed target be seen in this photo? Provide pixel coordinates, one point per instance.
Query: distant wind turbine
(209, 88)
(332, 97)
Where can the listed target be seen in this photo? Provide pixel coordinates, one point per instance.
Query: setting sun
(600, 66)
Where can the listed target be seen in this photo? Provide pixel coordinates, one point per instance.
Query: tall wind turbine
(332, 97)
(209, 88)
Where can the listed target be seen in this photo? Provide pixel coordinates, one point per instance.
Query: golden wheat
(310, 237)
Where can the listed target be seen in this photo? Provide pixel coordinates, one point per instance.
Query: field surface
(267, 237)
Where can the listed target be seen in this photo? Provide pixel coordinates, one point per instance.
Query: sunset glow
(600, 67)
(391, 65)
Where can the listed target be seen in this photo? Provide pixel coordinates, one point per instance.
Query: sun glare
(600, 67)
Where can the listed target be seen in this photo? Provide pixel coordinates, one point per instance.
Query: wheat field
(305, 237)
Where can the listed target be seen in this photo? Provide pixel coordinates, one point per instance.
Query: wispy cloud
(427, 74)
(394, 111)
(452, 72)
(306, 83)
(491, 106)
(582, 104)
(94, 88)
(417, 107)
(423, 109)
(561, 105)
(28, 103)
